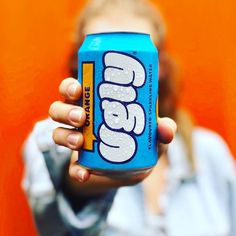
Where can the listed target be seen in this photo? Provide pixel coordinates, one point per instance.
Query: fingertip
(77, 116)
(82, 175)
(75, 140)
(70, 89)
(51, 109)
(169, 122)
(74, 91)
(166, 130)
(165, 135)
(79, 174)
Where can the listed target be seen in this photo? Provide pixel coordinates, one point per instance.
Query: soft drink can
(118, 72)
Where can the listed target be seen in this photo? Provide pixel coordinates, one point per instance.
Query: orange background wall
(34, 44)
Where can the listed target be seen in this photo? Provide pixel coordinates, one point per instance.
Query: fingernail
(75, 115)
(73, 139)
(81, 175)
(72, 89)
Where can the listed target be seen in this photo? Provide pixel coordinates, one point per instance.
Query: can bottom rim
(119, 173)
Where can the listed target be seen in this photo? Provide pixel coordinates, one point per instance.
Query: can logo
(123, 117)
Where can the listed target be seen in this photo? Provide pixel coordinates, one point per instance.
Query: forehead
(113, 22)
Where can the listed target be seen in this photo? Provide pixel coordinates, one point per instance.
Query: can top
(118, 40)
(118, 32)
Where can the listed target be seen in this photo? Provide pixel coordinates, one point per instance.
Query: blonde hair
(142, 8)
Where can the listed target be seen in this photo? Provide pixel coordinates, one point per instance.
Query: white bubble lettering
(115, 142)
(123, 69)
(136, 118)
(123, 116)
(117, 92)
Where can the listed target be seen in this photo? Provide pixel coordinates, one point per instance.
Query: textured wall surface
(34, 44)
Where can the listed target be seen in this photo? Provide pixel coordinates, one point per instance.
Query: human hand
(71, 114)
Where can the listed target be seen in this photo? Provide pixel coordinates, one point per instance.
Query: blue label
(119, 98)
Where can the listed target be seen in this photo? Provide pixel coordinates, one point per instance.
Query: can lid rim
(118, 32)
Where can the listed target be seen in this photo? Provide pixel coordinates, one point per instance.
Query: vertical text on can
(118, 72)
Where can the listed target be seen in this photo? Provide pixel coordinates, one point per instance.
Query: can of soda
(118, 72)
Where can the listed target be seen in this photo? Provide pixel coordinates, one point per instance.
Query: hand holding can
(60, 111)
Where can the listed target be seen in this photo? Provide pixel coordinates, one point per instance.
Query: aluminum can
(118, 72)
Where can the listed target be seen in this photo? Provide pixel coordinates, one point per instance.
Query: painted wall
(34, 44)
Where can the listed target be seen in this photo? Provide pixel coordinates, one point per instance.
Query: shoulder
(209, 142)
(207, 135)
(212, 150)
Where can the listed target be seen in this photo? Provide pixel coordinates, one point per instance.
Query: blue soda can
(118, 72)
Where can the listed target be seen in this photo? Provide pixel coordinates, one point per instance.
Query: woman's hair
(141, 8)
(168, 83)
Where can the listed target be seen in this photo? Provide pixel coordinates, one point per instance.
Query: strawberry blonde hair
(141, 8)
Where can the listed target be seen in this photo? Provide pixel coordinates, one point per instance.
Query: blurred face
(109, 22)
(113, 22)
